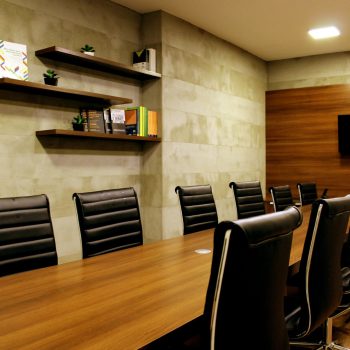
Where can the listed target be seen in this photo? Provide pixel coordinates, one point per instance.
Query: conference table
(122, 300)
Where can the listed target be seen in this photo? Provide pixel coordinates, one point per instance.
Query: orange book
(131, 117)
(152, 124)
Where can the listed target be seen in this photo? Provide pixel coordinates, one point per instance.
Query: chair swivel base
(318, 346)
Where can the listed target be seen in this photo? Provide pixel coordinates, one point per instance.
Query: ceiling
(269, 29)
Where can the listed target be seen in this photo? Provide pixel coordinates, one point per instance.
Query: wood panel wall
(302, 138)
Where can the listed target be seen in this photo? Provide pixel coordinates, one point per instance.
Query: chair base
(336, 346)
(308, 345)
(329, 330)
(316, 346)
(327, 343)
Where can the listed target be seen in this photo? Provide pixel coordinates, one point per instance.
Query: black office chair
(198, 208)
(109, 220)
(281, 197)
(249, 199)
(344, 307)
(307, 192)
(244, 302)
(318, 284)
(26, 235)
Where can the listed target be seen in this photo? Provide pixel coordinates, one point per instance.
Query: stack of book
(94, 119)
(141, 121)
(138, 121)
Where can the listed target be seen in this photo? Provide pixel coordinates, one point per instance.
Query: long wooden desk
(121, 300)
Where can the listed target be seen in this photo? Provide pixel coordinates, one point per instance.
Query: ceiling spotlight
(325, 32)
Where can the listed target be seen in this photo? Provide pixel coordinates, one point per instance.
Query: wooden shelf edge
(39, 88)
(81, 59)
(96, 135)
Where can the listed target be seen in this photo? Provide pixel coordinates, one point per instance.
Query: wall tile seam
(220, 42)
(244, 72)
(219, 145)
(43, 13)
(222, 117)
(223, 91)
(305, 84)
(260, 101)
(314, 75)
(205, 143)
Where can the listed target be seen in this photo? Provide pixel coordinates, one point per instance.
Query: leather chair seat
(197, 207)
(248, 273)
(27, 240)
(249, 199)
(109, 220)
(281, 197)
(307, 192)
(318, 283)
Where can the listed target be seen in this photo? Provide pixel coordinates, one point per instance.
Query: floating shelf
(97, 63)
(55, 91)
(95, 135)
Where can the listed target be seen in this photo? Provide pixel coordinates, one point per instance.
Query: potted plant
(50, 77)
(88, 50)
(79, 123)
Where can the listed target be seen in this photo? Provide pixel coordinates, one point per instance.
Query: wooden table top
(122, 300)
(299, 236)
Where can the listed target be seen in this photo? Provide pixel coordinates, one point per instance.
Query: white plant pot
(89, 53)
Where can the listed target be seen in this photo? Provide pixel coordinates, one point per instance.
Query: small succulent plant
(50, 74)
(87, 48)
(78, 119)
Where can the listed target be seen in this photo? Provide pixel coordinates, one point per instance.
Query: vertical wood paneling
(302, 138)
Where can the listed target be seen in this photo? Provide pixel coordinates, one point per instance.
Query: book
(145, 59)
(13, 60)
(151, 60)
(144, 119)
(132, 121)
(140, 59)
(107, 121)
(141, 121)
(95, 119)
(152, 124)
(117, 116)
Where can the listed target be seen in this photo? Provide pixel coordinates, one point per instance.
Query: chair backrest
(307, 192)
(109, 220)
(281, 197)
(244, 302)
(320, 269)
(198, 207)
(26, 235)
(249, 199)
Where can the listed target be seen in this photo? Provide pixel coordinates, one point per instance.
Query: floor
(341, 331)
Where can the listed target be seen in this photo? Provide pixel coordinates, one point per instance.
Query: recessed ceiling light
(323, 33)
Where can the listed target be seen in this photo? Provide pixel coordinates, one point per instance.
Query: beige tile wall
(213, 117)
(60, 167)
(328, 69)
(210, 102)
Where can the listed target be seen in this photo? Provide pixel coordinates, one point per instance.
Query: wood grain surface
(122, 300)
(302, 138)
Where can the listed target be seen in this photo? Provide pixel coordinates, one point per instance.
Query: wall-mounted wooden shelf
(93, 62)
(95, 135)
(55, 91)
